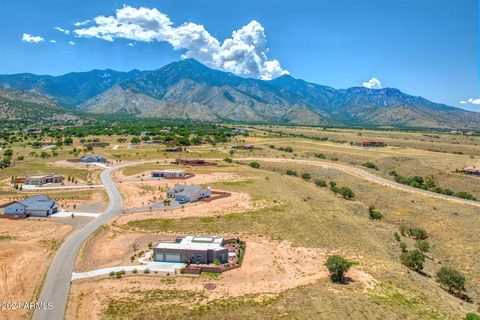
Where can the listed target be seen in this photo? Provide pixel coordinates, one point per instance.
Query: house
(474, 170)
(93, 159)
(41, 179)
(96, 144)
(373, 144)
(168, 173)
(193, 162)
(244, 147)
(174, 149)
(36, 206)
(192, 249)
(188, 193)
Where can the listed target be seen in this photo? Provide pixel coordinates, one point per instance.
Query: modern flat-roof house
(192, 249)
(168, 173)
(36, 206)
(244, 147)
(475, 171)
(96, 144)
(40, 179)
(188, 193)
(92, 159)
(193, 162)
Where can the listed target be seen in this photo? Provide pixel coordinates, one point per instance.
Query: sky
(425, 48)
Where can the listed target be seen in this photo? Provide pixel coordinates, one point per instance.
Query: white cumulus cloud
(471, 101)
(53, 41)
(71, 43)
(245, 53)
(81, 23)
(373, 83)
(62, 30)
(32, 39)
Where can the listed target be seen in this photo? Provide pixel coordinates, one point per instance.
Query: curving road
(57, 283)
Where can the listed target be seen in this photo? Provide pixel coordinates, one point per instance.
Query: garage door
(172, 257)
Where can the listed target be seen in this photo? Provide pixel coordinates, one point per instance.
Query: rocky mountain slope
(32, 108)
(190, 90)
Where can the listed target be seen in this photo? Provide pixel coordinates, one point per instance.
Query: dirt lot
(26, 247)
(269, 268)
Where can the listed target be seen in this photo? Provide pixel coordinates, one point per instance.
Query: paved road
(57, 283)
(367, 176)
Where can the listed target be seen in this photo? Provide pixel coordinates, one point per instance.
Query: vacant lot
(26, 248)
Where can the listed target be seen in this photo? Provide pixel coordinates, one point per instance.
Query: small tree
(337, 266)
(451, 278)
(413, 259)
(403, 246)
(422, 245)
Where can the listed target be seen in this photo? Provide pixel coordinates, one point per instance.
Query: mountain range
(190, 90)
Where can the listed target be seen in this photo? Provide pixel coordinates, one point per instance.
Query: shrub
(397, 236)
(229, 160)
(337, 266)
(413, 259)
(320, 183)
(306, 176)
(418, 233)
(320, 155)
(146, 271)
(403, 246)
(254, 165)
(346, 193)
(374, 215)
(111, 274)
(403, 229)
(472, 316)
(422, 245)
(370, 165)
(217, 262)
(451, 278)
(291, 172)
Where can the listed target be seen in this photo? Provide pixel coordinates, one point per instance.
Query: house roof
(38, 203)
(186, 190)
(194, 243)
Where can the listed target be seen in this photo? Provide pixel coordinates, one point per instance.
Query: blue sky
(422, 47)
